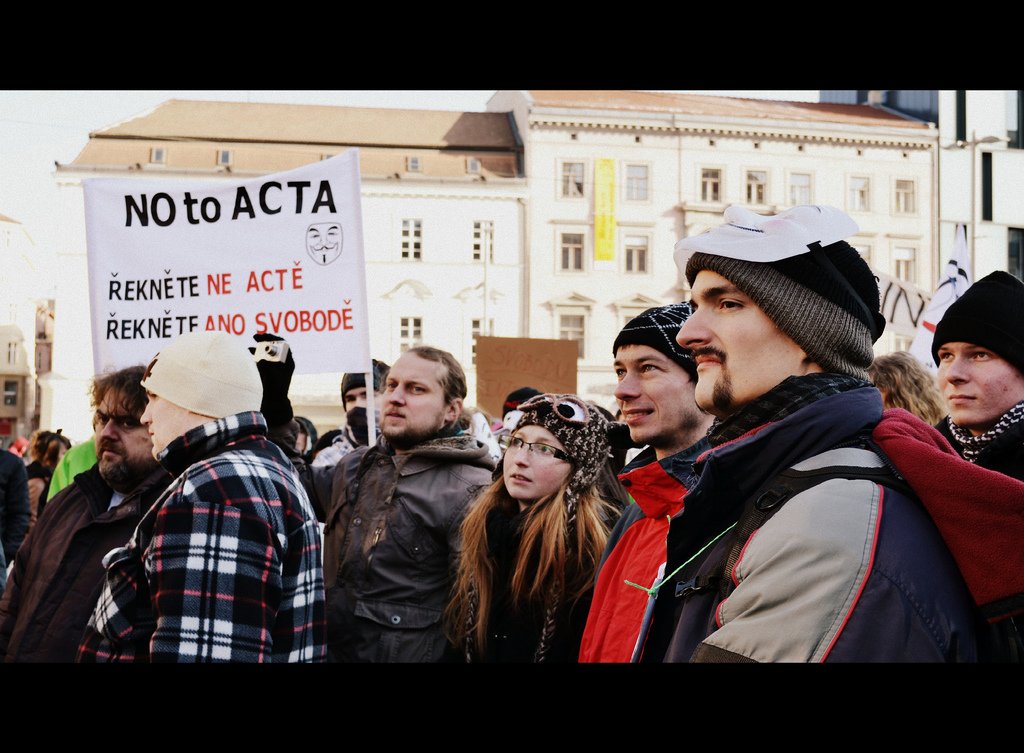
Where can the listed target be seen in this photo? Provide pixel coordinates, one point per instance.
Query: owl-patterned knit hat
(579, 426)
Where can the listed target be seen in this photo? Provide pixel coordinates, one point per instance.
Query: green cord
(654, 590)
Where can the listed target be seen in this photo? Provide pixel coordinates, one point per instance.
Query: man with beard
(58, 572)
(393, 513)
(800, 538)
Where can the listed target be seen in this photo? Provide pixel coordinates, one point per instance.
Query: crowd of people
(768, 491)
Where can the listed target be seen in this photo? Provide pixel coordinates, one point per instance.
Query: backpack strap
(770, 498)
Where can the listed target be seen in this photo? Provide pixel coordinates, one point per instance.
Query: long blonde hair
(555, 564)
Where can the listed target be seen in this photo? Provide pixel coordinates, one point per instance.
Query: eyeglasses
(508, 442)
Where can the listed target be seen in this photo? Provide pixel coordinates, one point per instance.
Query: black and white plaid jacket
(225, 566)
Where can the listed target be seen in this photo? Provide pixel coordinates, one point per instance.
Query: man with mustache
(392, 515)
(58, 572)
(797, 541)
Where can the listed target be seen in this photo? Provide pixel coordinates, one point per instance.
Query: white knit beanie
(207, 372)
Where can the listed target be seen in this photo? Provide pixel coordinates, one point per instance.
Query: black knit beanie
(657, 328)
(351, 381)
(517, 396)
(990, 314)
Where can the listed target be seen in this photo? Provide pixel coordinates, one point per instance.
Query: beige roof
(274, 138)
(725, 107)
(316, 124)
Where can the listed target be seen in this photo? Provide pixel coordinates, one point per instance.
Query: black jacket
(14, 510)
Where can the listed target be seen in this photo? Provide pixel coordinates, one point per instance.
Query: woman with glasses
(532, 541)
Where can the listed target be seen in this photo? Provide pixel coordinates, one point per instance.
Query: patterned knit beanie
(210, 373)
(989, 314)
(579, 426)
(800, 272)
(657, 328)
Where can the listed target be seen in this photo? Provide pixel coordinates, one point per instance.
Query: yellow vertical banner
(604, 214)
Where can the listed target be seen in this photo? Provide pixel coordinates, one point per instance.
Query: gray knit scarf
(972, 445)
(784, 399)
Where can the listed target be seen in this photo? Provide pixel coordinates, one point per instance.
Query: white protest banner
(955, 280)
(280, 253)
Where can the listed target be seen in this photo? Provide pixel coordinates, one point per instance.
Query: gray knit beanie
(801, 273)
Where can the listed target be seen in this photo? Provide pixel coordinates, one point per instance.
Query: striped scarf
(972, 445)
(784, 399)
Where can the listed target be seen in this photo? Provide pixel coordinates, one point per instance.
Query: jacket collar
(658, 486)
(740, 466)
(204, 440)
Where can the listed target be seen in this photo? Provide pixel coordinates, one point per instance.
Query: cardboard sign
(504, 364)
(280, 253)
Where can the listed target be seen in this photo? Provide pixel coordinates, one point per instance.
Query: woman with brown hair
(905, 383)
(532, 541)
(47, 448)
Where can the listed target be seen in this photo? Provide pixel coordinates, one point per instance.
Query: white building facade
(981, 176)
(616, 178)
(22, 294)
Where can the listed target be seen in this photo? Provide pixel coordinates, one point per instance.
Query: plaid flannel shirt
(226, 566)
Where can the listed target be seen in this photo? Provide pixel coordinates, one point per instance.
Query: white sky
(38, 128)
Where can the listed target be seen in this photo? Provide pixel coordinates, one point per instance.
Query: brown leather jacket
(58, 572)
(391, 543)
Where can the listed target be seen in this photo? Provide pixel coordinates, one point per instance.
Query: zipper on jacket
(373, 548)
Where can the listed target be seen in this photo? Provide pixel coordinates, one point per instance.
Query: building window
(901, 343)
(799, 189)
(483, 240)
(472, 166)
(636, 182)
(412, 164)
(571, 327)
(1015, 263)
(905, 197)
(412, 239)
(986, 186)
(572, 252)
(12, 353)
(572, 180)
(410, 332)
(10, 393)
(860, 194)
(476, 326)
(961, 115)
(158, 155)
(224, 157)
(757, 180)
(710, 185)
(903, 264)
(1014, 118)
(636, 254)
